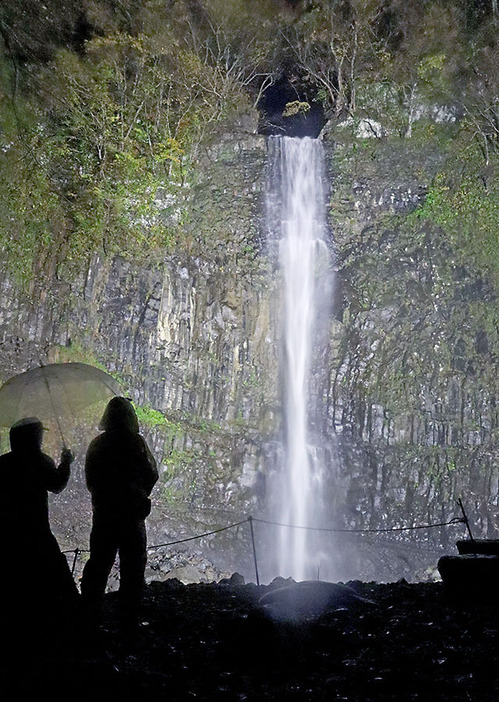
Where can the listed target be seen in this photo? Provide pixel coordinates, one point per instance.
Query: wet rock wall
(403, 407)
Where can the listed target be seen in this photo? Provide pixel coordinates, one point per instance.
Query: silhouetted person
(35, 582)
(120, 471)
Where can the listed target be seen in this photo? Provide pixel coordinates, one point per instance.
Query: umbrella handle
(67, 456)
(60, 432)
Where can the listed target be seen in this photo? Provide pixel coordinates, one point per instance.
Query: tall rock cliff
(405, 414)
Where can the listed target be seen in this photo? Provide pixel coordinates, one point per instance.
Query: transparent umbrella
(58, 391)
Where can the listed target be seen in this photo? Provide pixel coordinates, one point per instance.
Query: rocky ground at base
(285, 641)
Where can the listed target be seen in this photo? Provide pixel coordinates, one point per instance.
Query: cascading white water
(297, 205)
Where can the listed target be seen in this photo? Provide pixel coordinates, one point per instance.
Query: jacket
(120, 472)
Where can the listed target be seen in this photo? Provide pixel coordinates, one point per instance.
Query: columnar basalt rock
(192, 335)
(407, 416)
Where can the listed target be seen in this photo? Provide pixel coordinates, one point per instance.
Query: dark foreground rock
(360, 642)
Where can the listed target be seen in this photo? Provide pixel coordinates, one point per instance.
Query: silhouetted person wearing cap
(120, 471)
(44, 586)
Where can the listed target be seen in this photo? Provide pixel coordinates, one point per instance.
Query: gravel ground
(220, 641)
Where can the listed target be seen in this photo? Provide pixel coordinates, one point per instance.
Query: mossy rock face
(191, 337)
(413, 371)
(403, 399)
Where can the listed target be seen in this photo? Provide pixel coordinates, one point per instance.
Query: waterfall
(296, 211)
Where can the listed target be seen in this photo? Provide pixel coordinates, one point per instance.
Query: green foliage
(150, 417)
(345, 46)
(29, 212)
(100, 159)
(296, 108)
(117, 145)
(103, 109)
(32, 31)
(464, 201)
(429, 278)
(78, 354)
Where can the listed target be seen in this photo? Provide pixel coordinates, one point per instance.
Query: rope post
(250, 520)
(460, 503)
(76, 552)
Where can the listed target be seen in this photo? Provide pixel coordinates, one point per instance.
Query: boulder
(471, 576)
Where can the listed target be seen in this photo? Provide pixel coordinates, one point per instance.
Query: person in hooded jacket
(120, 473)
(27, 475)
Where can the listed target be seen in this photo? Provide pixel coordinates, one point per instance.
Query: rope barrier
(250, 520)
(76, 551)
(455, 520)
(199, 536)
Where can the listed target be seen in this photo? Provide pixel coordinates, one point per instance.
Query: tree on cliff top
(105, 102)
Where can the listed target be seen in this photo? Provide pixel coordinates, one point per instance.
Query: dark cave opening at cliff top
(285, 110)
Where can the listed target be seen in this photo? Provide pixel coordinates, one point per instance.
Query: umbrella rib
(56, 414)
(17, 408)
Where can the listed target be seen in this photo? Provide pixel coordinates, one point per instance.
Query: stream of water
(296, 199)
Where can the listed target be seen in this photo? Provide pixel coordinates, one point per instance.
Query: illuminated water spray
(297, 207)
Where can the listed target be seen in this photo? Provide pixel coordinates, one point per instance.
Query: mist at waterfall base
(296, 213)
